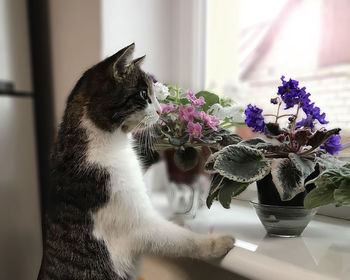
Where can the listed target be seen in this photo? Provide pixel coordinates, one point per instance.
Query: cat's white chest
(125, 172)
(128, 201)
(114, 153)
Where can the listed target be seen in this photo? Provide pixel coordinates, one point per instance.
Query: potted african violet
(289, 164)
(190, 126)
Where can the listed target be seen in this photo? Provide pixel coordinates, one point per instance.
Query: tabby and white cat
(100, 219)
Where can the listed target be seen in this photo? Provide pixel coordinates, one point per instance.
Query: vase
(188, 189)
(283, 221)
(282, 218)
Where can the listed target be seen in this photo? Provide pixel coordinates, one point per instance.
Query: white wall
(75, 31)
(170, 33)
(164, 30)
(14, 44)
(148, 23)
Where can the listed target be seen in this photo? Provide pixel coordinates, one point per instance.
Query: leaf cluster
(332, 187)
(236, 166)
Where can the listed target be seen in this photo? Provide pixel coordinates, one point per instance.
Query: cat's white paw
(215, 246)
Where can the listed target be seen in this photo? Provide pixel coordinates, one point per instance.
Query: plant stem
(286, 115)
(278, 117)
(177, 94)
(295, 119)
(278, 111)
(229, 125)
(307, 152)
(224, 122)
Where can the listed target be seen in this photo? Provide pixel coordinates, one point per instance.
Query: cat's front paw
(215, 246)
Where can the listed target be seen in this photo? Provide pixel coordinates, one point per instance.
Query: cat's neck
(105, 147)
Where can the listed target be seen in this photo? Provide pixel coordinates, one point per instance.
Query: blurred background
(236, 48)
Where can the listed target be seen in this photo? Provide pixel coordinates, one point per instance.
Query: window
(251, 44)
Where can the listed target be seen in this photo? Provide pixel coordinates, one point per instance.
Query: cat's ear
(122, 59)
(139, 60)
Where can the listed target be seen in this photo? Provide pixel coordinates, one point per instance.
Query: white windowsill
(322, 253)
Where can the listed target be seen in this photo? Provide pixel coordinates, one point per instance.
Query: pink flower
(186, 113)
(191, 95)
(195, 130)
(167, 108)
(195, 101)
(210, 121)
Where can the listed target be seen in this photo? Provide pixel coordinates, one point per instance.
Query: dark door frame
(41, 64)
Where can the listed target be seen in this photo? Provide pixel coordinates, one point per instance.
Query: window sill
(323, 251)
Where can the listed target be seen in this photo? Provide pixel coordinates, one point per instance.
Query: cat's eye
(143, 94)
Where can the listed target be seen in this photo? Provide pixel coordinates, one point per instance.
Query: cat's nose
(159, 112)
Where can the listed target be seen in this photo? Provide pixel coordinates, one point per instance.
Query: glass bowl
(283, 221)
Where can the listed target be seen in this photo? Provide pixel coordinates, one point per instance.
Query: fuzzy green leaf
(305, 166)
(342, 194)
(209, 165)
(272, 129)
(210, 99)
(320, 136)
(210, 139)
(230, 140)
(242, 164)
(320, 196)
(345, 170)
(215, 185)
(228, 190)
(185, 101)
(253, 142)
(326, 161)
(261, 144)
(332, 186)
(331, 176)
(221, 132)
(287, 178)
(302, 136)
(179, 141)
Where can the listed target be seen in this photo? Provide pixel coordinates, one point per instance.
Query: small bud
(274, 100)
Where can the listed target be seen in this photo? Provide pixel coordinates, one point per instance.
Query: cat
(100, 220)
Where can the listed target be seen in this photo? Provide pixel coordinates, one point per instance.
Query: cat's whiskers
(146, 139)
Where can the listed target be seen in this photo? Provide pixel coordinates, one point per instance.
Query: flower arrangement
(190, 122)
(290, 155)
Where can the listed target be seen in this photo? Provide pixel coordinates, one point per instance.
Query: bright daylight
(175, 139)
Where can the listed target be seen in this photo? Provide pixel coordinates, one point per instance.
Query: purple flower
(195, 130)
(167, 108)
(195, 101)
(332, 145)
(291, 94)
(210, 120)
(186, 113)
(254, 118)
(312, 114)
(316, 113)
(309, 121)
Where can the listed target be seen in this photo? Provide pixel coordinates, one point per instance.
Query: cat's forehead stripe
(149, 86)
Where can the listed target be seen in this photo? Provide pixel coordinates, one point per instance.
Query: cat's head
(118, 94)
